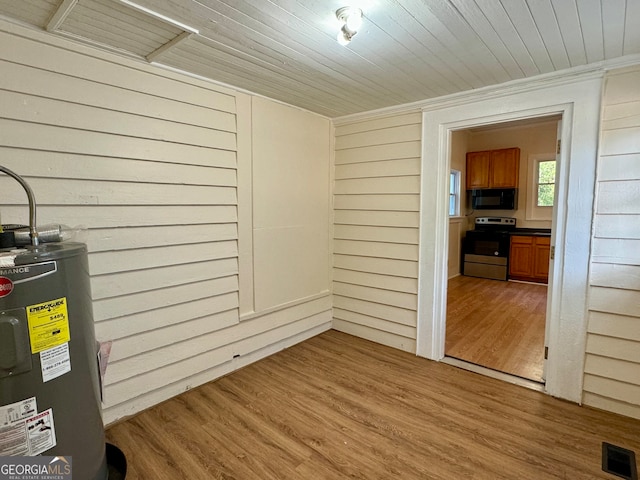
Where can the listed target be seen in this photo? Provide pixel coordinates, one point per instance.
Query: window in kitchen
(545, 183)
(454, 193)
(541, 186)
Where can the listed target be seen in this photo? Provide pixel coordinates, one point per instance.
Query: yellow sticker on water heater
(48, 324)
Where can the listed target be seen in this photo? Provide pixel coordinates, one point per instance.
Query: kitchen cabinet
(529, 258)
(493, 168)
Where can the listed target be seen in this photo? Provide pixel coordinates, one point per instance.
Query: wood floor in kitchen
(498, 325)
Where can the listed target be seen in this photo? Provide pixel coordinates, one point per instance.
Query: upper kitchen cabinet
(493, 168)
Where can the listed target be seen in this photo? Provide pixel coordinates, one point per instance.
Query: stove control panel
(497, 221)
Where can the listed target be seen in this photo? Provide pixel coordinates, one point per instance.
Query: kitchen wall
(206, 209)
(377, 203)
(538, 138)
(612, 367)
(458, 226)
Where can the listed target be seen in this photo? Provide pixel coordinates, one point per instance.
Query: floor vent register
(619, 461)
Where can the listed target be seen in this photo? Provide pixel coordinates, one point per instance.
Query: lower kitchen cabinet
(529, 258)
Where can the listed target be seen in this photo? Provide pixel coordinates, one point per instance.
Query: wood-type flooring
(498, 325)
(337, 406)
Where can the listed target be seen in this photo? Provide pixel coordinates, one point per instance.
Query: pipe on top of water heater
(33, 232)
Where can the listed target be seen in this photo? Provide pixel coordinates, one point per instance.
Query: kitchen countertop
(534, 232)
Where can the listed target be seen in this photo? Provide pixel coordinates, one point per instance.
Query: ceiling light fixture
(351, 18)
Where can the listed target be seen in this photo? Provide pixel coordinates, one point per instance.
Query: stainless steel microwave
(494, 199)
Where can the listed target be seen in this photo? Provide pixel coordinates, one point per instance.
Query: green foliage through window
(546, 183)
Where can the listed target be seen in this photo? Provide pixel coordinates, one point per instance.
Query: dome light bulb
(354, 19)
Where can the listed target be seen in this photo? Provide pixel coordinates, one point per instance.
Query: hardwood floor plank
(337, 406)
(498, 325)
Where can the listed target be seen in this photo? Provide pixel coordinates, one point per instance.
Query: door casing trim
(578, 102)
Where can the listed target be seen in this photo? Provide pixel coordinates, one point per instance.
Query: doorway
(577, 100)
(496, 324)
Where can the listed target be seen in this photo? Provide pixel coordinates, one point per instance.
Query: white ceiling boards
(404, 52)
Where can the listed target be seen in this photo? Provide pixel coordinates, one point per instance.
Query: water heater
(50, 394)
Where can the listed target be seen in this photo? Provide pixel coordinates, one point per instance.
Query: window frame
(533, 211)
(538, 183)
(456, 193)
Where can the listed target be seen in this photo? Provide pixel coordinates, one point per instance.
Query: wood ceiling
(406, 50)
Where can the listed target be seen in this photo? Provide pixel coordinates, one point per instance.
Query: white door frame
(578, 101)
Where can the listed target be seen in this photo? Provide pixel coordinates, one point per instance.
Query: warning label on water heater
(48, 324)
(24, 431)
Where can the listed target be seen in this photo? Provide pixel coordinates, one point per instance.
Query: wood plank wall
(612, 367)
(377, 203)
(146, 159)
